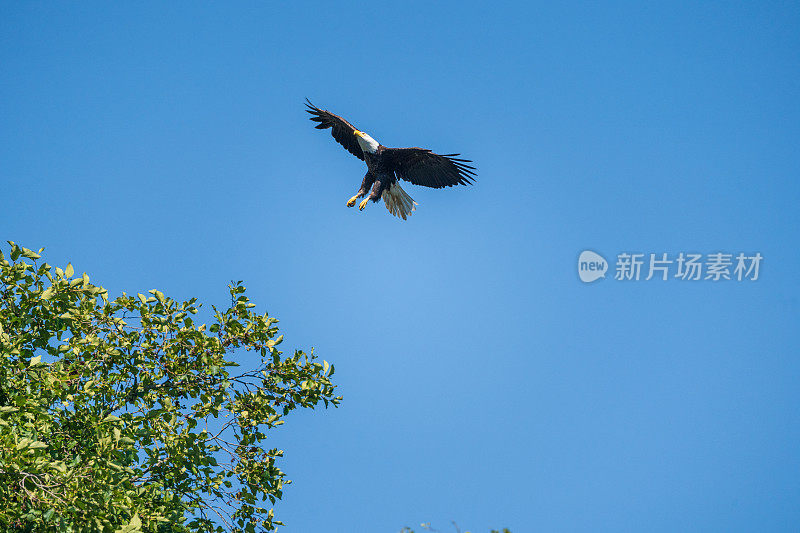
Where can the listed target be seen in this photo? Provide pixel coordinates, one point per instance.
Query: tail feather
(398, 202)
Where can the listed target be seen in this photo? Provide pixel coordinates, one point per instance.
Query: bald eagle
(386, 165)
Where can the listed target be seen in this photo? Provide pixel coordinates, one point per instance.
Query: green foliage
(124, 415)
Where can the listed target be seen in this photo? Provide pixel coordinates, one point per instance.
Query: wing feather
(342, 131)
(422, 167)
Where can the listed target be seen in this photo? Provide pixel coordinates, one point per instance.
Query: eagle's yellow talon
(363, 204)
(352, 201)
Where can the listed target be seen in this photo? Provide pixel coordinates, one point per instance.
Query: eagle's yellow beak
(359, 133)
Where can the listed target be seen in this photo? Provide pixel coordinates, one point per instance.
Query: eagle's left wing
(423, 167)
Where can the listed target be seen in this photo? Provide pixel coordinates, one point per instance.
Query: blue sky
(165, 146)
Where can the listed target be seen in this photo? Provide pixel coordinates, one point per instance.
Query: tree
(125, 415)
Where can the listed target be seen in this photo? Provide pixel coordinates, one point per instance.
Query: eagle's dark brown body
(380, 175)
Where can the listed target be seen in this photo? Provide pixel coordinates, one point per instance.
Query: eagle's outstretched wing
(342, 131)
(423, 167)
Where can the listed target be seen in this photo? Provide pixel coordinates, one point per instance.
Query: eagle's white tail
(398, 202)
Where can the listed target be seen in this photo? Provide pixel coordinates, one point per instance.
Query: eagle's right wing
(342, 131)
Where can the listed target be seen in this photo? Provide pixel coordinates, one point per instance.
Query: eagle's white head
(367, 143)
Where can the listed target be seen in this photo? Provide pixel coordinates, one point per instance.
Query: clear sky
(164, 145)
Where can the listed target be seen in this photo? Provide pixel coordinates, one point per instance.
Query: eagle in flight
(385, 166)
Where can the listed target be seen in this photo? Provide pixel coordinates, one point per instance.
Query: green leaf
(134, 526)
(158, 294)
(30, 254)
(69, 271)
